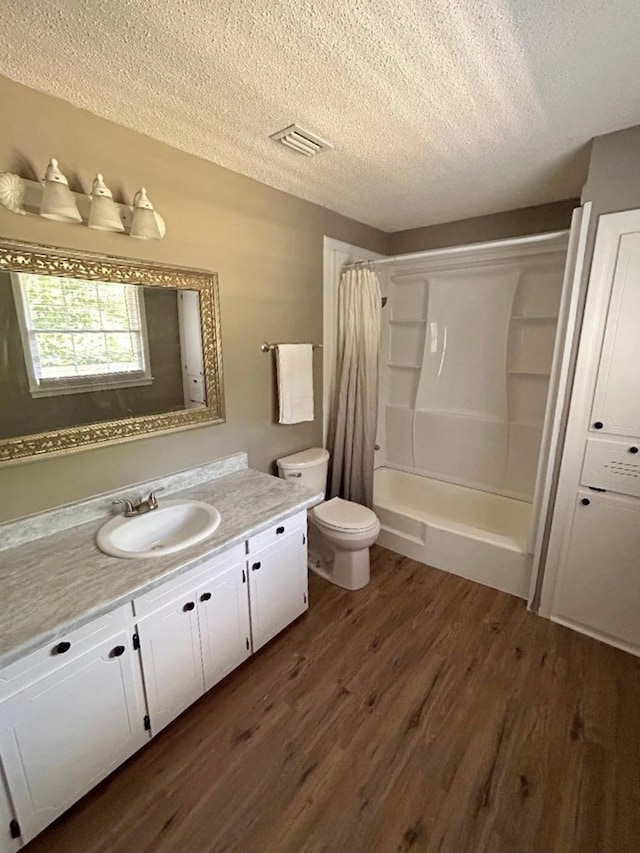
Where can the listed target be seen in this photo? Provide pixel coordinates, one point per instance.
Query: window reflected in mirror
(95, 349)
(81, 352)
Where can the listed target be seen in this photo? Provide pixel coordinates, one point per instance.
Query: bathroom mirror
(97, 349)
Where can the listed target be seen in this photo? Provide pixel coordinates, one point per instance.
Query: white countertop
(57, 583)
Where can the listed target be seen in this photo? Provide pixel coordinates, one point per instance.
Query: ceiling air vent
(301, 140)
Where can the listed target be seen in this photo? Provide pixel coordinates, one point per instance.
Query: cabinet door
(616, 403)
(7, 843)
(599, 579)
(63, 734)
(171, 660)
(223, 614)
(277, 587)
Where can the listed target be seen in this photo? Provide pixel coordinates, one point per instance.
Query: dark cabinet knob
(189, 606)
(61, 648)
(119, 650)
(585, 501)
(598, 425)
(633, 450)
(256, 566)
(279, 530)
(205, 596)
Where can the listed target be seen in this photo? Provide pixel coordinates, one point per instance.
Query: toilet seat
(338, 514)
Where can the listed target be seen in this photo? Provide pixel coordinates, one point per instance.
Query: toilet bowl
(340, 532)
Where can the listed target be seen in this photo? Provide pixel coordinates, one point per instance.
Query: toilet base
(347, 569)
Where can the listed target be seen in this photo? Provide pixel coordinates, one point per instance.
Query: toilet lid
(345, 515)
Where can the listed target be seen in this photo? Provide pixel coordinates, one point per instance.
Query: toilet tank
(308, 468)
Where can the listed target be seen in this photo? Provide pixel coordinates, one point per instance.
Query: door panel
(171, 660)
(223, 613)
(617, 398)
(7, 843)
(599, 579)
(62, 735)
(277, 587)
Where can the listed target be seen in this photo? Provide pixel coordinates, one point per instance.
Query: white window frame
(79, 384)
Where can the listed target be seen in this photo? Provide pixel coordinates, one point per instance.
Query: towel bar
(266, 347)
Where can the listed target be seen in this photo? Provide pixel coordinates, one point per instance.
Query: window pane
(46, 304)
(91, 353)
(114, 308)
(56, 355)
(82, 307)
(123, 349)
(82, 328)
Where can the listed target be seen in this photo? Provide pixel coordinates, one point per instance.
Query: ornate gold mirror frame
(24, 257)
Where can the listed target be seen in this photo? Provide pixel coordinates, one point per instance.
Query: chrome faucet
(140, 507)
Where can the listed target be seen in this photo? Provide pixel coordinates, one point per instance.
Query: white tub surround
(477, 535)
(467, 348)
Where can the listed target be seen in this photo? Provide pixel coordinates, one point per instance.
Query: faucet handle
(128, 505)
(152, 500)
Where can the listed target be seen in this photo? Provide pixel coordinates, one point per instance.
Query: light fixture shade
(58, 202)
(105, 213)
(144, 225)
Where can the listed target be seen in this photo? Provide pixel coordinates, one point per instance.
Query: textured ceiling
(438, 109)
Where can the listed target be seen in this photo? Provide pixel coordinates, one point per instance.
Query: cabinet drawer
(61, 651)
(167, 592)
(278, 531)
(613, 465)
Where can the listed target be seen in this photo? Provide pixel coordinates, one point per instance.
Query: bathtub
(478, 535)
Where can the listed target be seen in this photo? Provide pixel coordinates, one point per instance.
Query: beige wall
(496, 226)
(613, 182)
(265, 245)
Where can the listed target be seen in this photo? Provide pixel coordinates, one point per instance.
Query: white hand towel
(295, 382)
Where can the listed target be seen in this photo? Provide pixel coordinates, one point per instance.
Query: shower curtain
(354, 415)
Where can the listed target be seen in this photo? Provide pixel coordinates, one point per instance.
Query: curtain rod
(457, 250)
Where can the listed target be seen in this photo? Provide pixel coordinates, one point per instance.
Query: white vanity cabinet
(73, 710)
(197, 631)
(64, 730)
(277, 578)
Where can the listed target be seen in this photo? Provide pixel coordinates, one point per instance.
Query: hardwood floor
(424, 713)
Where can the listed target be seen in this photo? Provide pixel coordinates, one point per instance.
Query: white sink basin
(175, 525)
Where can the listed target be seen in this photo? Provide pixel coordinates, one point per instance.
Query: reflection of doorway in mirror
(191, 349)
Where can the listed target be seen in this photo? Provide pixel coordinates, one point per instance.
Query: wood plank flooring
(424, 713)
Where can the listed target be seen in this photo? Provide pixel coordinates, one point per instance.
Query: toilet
(340, 532)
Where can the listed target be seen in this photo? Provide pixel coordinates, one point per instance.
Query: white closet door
(63, 734)
(171, 659)
(223, 612)
(616, 404)
(598, 584)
